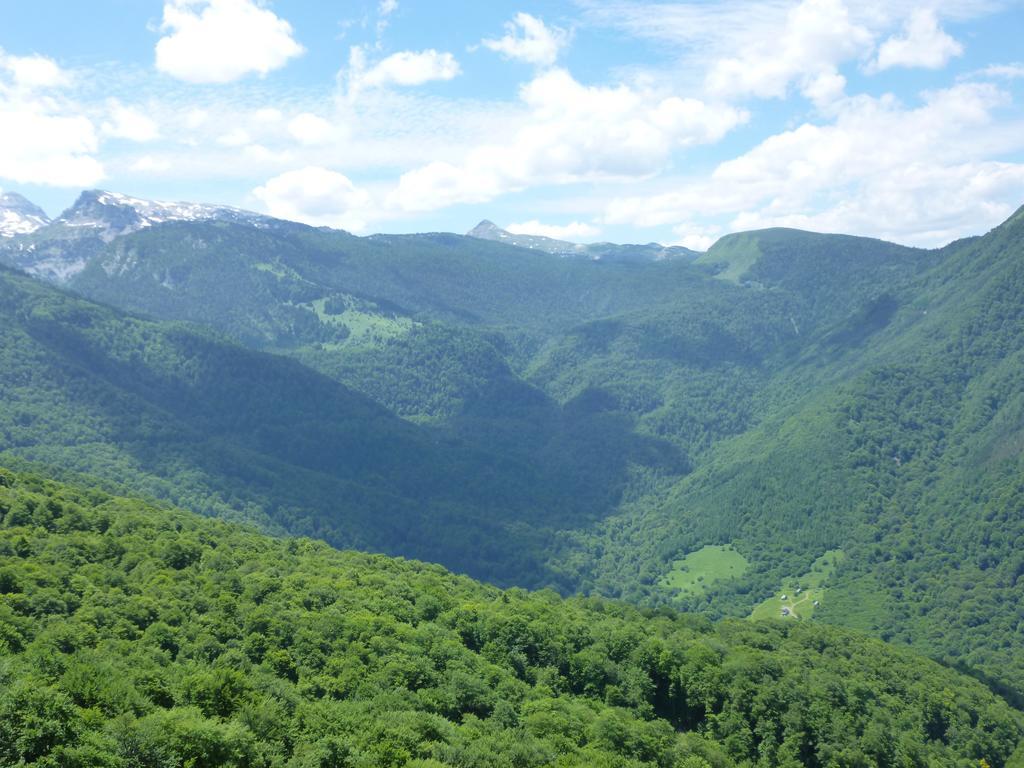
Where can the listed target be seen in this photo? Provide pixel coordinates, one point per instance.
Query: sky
(586, 120)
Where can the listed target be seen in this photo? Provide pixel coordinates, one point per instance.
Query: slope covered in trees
(907, 458)
(794, 395)
(174, 411)
(132, 635)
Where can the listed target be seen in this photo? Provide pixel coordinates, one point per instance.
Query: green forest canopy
(132, 635)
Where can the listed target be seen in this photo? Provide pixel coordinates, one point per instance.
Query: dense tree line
(132, 635)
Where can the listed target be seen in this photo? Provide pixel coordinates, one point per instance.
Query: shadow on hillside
(226, 431)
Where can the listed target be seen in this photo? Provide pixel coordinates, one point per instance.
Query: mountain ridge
(60, 248)
(488, 230)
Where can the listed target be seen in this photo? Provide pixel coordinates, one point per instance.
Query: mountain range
(833, 418)
(488, 230)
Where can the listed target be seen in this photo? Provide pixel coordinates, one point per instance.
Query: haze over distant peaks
(110, 214)
(20, 216)
(488, 230)
(59, 249)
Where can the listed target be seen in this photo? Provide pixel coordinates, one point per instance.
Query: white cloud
(150, 164)
(237, 137)
(33, 72)
(45, 148)
(384, 9)
(768, 48)
(129, 123)
(812, 40)
(404, 68)
(219, 41)
(922, 44)
(529, 39)
(695, 237)
(43, 138)
(1007, 71)
(196, 118)
(574, 231)
(920, 175)
(573, 133)
(316, 196)
(268, 115)
(308, 128)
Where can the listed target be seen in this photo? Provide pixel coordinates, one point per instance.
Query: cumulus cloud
(219, 41)
(922, 44)
(695, 237)
(32, 72)
(574, 231)
(45, 148)
(529, 39)
(308, 128)
(573, 133)
(44, 139)
(814, 38)
(920, 175)
(405, 68)
(129, 123)
(316, 196)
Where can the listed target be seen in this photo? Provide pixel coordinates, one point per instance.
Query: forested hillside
(176, 412)
(908, 461)
(795, 411)
(135, 635)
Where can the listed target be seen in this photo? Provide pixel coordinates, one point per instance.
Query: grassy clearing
(699, 570)
(739, 252)
(365, 324)
(797, 597)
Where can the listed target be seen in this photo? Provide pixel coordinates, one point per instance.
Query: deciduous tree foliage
(135, 635)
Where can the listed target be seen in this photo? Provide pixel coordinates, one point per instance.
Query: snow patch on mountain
(19, 216)
(111, 214)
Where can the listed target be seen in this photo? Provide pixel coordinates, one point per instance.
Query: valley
(789, 411)
(566, 384)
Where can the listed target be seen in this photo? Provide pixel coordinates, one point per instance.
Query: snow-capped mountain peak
(19, 216)
(60, 249)
(110, 214)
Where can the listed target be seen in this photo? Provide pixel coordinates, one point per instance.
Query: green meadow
(799, 598)
(699, 570)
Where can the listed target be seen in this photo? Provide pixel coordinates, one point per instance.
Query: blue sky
(585, 119)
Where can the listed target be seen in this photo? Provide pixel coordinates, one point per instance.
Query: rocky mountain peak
(19, 215)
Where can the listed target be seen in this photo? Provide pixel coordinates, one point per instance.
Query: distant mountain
(110, 214)
(19, 216)
(488, 230)
(59, 249)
